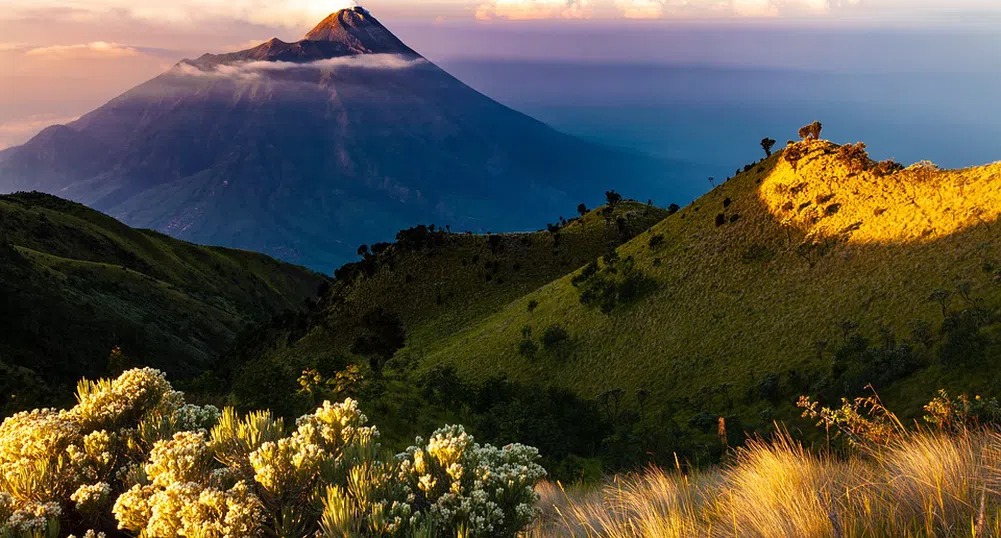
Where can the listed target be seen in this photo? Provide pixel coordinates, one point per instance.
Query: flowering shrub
(133, 458)
(484, 490)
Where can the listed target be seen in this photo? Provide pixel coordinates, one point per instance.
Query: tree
(811, 131)
(613, 197)
(363, 251)
(382, 336)
(582, 209)
(767, 144)
(712, 181)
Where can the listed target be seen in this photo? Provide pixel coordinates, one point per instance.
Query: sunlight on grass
(922, 486)
(827, 198)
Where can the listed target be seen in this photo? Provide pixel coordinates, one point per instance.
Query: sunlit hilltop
(826, 197)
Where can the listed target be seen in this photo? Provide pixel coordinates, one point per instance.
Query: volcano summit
(305, 150)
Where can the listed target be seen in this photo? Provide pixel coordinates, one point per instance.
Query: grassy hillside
(76, 284)
(815, 270)
(418, 291)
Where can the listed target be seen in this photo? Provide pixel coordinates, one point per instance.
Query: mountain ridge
(77, 284)
(271, 150)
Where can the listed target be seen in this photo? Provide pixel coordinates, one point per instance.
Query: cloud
(657, 9)
(535, 9)
(19, 131)
(256, 70)
(96, 49)
(287, 13)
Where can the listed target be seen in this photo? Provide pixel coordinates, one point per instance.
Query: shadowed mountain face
(305, 150)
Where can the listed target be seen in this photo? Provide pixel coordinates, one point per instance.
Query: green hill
(76, 284)
(816, 270)
(428, 285)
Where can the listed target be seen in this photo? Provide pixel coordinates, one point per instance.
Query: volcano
(305, 150)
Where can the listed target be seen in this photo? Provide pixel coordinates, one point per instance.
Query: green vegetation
(434, 282)
(77, 284)
(820, 277)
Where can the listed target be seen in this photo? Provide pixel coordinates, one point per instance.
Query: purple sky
(61, 58)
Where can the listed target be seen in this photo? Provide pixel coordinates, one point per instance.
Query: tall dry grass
(925, 485)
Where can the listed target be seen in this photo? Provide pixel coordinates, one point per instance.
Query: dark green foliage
(767, 144)
(420, 237)
(964, 343)
(554, 336)
(720, 220)
(768, 387)
(612, 198)
(528, 348)
(532, 305)
(382, 335)
(582, 210)
(567, 430)
(673, 208)
(66, 302)
(858, 363)
(618, 282)
(656, 241)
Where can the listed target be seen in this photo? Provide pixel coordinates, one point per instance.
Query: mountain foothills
(82, 294)
(305, 150)
(815, 271)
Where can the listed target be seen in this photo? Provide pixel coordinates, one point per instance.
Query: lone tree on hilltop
(582, 209)
(612, 197)
(812, 131)
(767, 144)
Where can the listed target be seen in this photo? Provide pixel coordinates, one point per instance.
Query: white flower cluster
(52, 461)
(194, 417)
(91, 498)
(89, 534)
(293, 463)
(132, 449)
(182, 498)
(33, 518)
(486, 490)
(139, 391)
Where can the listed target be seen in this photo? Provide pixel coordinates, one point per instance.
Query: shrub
(793, 154)
(673, 208)
(383, 335)
(767, 144)
(532, 305)
(582, 210)
(612, 198)
(528, 348)
(887, 168)
(854, 157)
(133, 455)
(656, 241)
(618, 282)
(811, 131)
(554, 336)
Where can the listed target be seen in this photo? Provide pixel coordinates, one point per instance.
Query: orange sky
(61, 58)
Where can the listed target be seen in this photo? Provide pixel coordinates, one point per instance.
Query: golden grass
(821, 197)
(927, 485)
(753, 296)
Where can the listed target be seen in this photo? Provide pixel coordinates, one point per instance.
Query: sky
(62, 58)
